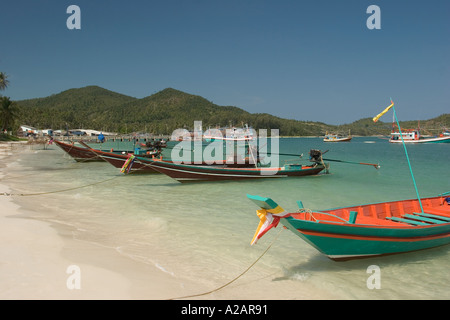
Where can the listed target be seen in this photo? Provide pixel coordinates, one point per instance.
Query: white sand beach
(138, 238)
(35, 258)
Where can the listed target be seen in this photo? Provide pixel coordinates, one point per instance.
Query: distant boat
(414, 136)
(332, 137)
(365, 230)
(229, 134)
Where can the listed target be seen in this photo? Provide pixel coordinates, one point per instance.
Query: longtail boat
(364, 230)
(197, 173)
(79, 154)
(131, 163)
(123, 162)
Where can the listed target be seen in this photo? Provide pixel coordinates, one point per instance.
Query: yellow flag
(375, 119)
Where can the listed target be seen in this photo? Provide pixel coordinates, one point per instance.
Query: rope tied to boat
(237, 277)
(57, 191)
(307, 211)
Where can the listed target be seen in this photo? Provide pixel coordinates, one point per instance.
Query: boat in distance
(414, 136)
(364, 230)
(332, 137)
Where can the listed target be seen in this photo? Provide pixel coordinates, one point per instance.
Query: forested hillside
(100, 109)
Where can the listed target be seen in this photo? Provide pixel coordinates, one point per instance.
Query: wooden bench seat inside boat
(415, 216)
(408, 221)
(434, 216)
(418, 219)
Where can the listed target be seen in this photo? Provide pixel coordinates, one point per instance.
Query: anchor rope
(237, 277)
(57, 191)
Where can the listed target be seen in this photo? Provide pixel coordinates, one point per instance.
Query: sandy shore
(40, 259)
(43, 261)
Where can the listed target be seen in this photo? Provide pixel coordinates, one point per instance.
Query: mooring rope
(237, 277)
(56, 191)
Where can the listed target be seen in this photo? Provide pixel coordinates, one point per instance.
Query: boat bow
(269, 215)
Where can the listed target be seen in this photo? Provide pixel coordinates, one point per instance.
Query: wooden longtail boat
(365, 230)
(196, 173)
(119, 160)
(80, 154)
(140, 164)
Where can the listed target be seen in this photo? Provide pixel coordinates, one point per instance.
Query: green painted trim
(265, 203)
(352, 218)
(434, 216)
(409, 221)
(421, 218)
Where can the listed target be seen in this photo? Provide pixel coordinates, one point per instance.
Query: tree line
(8, 108)
(96, 108)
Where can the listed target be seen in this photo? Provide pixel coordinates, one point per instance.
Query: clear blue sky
(304, 60)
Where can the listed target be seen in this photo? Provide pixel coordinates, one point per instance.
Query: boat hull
(118, 160)
(445, 139)
(337, 139)
(365, 230)
(77, 153)
(345, 242)
(198, 173)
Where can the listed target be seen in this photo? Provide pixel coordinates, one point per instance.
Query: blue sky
(304, 60)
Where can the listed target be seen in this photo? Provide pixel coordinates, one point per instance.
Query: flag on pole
(375, 119)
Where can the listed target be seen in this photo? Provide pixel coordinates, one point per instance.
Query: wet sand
(39, 260)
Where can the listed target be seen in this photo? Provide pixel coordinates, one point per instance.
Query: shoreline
(38, 253)
(41, 260)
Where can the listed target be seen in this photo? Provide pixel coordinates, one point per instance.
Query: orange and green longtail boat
(364, 230)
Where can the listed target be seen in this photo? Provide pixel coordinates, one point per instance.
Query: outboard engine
(315, 156)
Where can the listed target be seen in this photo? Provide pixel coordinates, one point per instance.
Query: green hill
(84, 107)
(161, 113)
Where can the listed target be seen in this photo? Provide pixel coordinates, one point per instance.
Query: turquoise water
(203, 231)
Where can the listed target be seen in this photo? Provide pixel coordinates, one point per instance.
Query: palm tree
(3, 81)
(7, 112)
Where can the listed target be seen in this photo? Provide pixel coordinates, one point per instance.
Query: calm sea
(203, 231)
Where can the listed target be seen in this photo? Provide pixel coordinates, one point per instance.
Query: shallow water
(202, 231)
